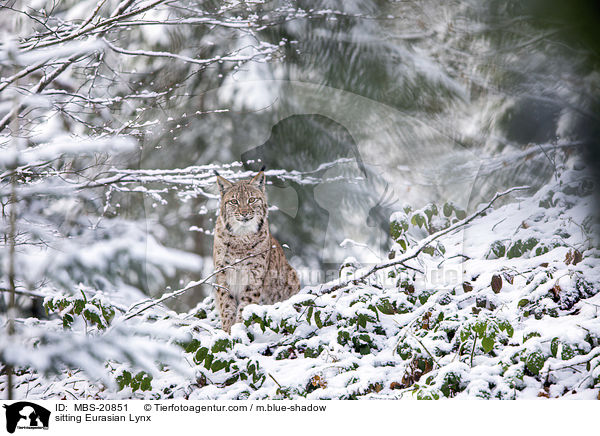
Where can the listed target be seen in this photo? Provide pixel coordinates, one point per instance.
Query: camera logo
(26, 415)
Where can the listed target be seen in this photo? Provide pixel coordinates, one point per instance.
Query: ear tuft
(223, 184)
(259, 180)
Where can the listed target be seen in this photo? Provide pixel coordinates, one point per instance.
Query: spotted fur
(242, 232)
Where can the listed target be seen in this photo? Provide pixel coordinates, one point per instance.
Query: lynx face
(243, 205)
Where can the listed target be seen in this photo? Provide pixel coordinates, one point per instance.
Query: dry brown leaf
(556, 291)
(496, 283)
(569, 257)
(508, 277)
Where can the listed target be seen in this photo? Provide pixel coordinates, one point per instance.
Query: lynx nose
(246, 214)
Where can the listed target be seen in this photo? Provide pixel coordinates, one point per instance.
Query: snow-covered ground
(507, 307)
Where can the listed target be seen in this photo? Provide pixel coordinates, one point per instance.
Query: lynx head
(243, 204)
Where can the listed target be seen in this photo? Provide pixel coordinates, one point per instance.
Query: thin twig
(473, 349)
(425, 348)
(44, 81)
(193, 285)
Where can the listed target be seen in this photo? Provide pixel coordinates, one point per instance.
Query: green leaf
(343, 337)
(402, 244)
(49, 306)
(208, 361)
(78, 306)
(496, 251)
(447, 209)
(127, 377)
(429, 250)
(465, 334)
(487, 343)
(397, 229)
(505, 325)
(554, 346)
(567, 352)
(200, 355)
(318, 319)
(231, 380)
(480, 327)
(365, 349)
(146, 383)
(431, 210)
(192, 346)
(124, 379)
(531, 335)
(418, 220)
(535, 362)
(529, 244)
(67, 320)
(220, 345)
(218, 365)
(361, 320)
(386, 307)
(515, 250)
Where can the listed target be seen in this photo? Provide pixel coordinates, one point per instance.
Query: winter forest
(430, 175)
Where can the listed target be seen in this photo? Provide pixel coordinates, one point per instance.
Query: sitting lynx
(242, 231)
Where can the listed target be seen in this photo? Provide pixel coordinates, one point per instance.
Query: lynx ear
(259, 180)
(223, 184)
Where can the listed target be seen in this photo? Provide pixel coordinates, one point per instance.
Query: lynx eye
(251, 200)
(233, 202)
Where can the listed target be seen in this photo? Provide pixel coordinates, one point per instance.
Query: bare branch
(191, 285)
(45, 81)
(30, 69)
(269, 50)
(100, 25)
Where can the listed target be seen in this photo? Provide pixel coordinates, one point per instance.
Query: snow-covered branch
(415, 250)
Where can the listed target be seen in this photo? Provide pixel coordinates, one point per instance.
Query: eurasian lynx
(242, 232)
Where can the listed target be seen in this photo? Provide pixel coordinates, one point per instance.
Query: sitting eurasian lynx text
(264, 276)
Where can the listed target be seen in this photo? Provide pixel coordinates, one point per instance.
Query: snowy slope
(507, 308)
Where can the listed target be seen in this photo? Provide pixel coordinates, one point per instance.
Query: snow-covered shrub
(511, 327)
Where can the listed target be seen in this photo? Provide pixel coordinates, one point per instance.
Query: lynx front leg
(226, 303)
(250, 296)
(252, 290)
(251, 293)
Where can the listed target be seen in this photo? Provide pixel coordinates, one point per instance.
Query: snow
(66, 145)
(366, 340)
(437, 327)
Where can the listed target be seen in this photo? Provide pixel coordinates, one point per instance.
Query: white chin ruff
(239, 228)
